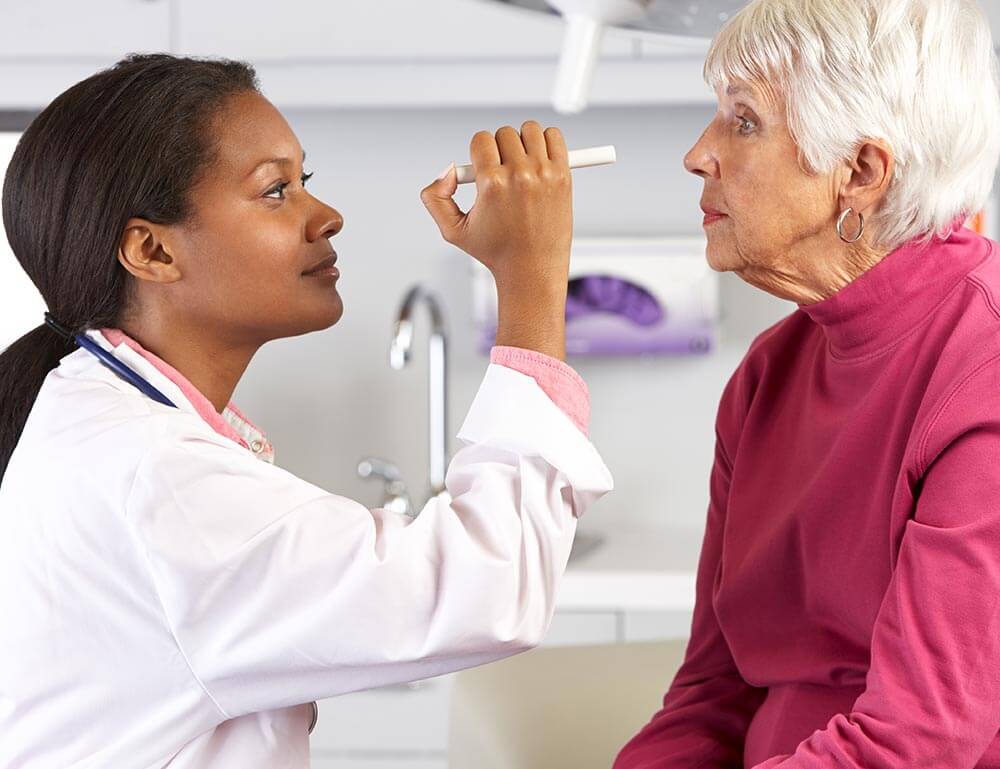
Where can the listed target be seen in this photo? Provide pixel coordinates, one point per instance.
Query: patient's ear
(144, 252)
(871, 171)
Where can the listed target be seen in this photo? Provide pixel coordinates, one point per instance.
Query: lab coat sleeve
(559, 381)
(279, 592)
(708, 706)
(931, 693)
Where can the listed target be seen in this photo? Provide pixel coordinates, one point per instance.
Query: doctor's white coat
(167, 598)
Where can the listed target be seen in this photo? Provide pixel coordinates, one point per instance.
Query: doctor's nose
(325, 223)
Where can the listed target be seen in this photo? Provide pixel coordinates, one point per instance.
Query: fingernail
(446, 171)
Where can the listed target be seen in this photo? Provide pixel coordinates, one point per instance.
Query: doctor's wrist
(533, 323)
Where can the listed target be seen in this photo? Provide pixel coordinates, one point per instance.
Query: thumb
(438, 199)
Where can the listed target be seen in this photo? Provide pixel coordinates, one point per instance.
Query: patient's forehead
(763, 97)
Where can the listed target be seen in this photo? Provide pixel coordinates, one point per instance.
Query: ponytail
(129, 141)
(23, 367)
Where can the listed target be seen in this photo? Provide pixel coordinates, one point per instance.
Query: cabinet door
(105, 29)
(365, 31)
(414, 717)
(571, 628)
(375, 761)
(642, 626)
(409, 718)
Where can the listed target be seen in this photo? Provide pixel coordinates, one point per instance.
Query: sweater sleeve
(932, 689)
(708, 707)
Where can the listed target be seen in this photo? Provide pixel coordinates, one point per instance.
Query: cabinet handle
(408, 686)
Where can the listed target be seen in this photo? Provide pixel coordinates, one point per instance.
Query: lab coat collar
(231, 423)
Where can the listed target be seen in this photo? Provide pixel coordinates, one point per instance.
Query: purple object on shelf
(603, 293)
(607, 315)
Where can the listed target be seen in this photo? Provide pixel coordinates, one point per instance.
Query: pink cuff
(560, 382)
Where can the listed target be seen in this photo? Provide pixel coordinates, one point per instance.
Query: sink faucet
(437, 391)
(394, 494)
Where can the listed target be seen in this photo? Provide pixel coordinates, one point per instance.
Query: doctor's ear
(143, 252)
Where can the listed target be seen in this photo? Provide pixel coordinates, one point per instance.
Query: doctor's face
(255, 231)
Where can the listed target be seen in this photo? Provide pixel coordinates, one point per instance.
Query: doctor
(168, 594)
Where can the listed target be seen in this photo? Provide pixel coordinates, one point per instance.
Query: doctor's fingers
(512, 152)
(556, 145)
(484, 153)
(438, 198)
(534, 140)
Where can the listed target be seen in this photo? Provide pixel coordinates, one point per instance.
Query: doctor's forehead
(249, 132)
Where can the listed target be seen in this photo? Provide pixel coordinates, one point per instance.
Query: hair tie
(59, 328)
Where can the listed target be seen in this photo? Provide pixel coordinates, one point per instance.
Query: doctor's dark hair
(129, 141)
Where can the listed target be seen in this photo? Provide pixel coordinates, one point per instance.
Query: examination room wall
(328, 398)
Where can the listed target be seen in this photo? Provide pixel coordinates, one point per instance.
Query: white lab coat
(169, 598)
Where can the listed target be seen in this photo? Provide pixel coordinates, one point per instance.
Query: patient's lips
(712, 215)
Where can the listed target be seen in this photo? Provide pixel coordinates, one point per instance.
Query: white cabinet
(407, 725)
(350, 54)
(583, 628)
(412, 720)
(405, 719)
(641, 626)
(377, 762)
(371, 31)
(97, 28)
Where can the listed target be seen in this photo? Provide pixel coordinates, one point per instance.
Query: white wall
(22, 306)
(328, 398)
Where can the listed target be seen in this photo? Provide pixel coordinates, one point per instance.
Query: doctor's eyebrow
(278, 161)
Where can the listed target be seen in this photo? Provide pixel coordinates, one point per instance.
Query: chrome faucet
(394, 494)
(437, 391)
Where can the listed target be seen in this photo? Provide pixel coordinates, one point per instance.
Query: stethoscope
(135, 379)
(109, 360)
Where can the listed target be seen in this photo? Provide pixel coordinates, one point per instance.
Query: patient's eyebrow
(739, 90)
(754, 97)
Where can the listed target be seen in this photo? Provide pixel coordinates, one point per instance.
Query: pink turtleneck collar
(889, 300)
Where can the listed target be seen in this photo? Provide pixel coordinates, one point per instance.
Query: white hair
(920, 75)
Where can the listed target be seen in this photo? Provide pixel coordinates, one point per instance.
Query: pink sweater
(848, 593)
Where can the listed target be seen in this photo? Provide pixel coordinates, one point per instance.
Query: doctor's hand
(520, 228)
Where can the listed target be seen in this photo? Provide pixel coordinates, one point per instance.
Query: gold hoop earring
(840, 226)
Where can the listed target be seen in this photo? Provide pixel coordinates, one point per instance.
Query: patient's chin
(719, 258)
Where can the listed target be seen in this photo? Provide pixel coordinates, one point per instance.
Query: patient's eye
(746, 125)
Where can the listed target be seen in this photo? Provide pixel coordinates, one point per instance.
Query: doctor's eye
(280, 187)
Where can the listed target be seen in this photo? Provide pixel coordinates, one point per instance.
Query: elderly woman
(848, 593)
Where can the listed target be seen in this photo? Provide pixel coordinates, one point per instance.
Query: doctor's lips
(712, 215)
(324, 268)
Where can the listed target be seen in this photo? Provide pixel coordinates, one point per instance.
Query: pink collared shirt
(559, 381)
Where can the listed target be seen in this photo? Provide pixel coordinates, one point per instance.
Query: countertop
(632, 569)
